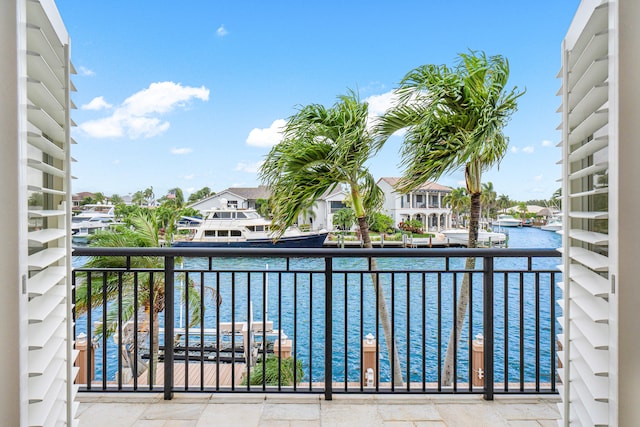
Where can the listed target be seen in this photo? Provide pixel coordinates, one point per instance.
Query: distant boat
(554, 224)
(505, 220)
(485, 238)
(232, 227)
(96, 218)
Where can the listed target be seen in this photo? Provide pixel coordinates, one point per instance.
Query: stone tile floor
(200, 410)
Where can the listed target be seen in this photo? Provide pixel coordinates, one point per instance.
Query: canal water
(302, 312)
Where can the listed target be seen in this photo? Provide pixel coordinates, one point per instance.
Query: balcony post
(169, 266)
(488, 326)
(328, 328)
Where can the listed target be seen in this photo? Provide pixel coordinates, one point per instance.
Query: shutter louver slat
(45, 258)
(43, 167)
(592, 260)
(40, 333)
(43, 121)
(46, 235)
(40, 359)
(596, 359)
(592, 282)
(46, 190)
(44, 305)
(591, 237)
(42, 282)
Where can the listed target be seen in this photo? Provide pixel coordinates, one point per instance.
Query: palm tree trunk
(383, 312)
(463, 297)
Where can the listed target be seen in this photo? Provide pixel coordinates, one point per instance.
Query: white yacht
(96, 218)
(553, 224)
(233, 227)
(505, 220)
(460, 236)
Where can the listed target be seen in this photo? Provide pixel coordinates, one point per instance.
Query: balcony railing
(213, 320)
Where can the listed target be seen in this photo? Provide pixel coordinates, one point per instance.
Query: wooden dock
(229, 374)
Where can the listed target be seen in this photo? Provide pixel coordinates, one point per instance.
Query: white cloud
(190, 190)
(84, 71)
(547, 143)
(97, 103)
(136, 117)
(378, 104)
(162, 98)
(528, 149)
(462, 183)
(537, 178)
(222, 31)
(185, 150)
(267, 137)
(190, 176)
(249, 167)
(514, 149)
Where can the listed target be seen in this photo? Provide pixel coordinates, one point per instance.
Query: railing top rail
(320, 252)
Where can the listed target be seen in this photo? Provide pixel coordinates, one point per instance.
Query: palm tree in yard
(321, 149)
(150, 289)
(503, 202)
(458, 201)
(488, 197)
(454, 119)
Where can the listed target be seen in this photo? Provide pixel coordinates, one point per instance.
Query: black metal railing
(311, 320)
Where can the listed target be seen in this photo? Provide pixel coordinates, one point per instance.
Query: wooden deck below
(229, 374)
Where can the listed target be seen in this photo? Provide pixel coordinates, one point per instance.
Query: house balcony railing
(308, 319)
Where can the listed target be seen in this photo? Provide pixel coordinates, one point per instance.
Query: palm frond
(321, 149)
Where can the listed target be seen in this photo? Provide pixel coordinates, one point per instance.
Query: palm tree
(150, 290)
(488, 197)
(344, 218)
(454, 119)
(98, 197)
(458, 200)
(149, 196)
(116, 199)
(504, 202)
(522, 206)
(556, 198)
(175, 198)
(321, 149)
(138, 198)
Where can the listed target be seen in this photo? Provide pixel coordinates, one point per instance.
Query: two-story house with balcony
(424, 204)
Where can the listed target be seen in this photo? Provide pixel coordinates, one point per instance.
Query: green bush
(380, 223)
(271, 372)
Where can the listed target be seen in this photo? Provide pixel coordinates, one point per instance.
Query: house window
(336, 206)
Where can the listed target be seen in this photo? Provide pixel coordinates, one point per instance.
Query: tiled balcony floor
(187, 410)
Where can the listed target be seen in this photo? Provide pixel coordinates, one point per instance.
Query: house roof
(81, 195)
(250, 193)
(430, 186)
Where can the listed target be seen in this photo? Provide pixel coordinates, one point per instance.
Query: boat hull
(309, 241)
(461, 237)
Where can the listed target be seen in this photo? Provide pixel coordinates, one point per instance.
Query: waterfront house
(424, 204)
(234, 197)
(320, 215)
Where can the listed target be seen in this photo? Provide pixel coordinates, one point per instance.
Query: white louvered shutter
(48, 121)
(585, 159)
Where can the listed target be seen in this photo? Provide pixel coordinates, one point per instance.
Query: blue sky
(190, 94)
